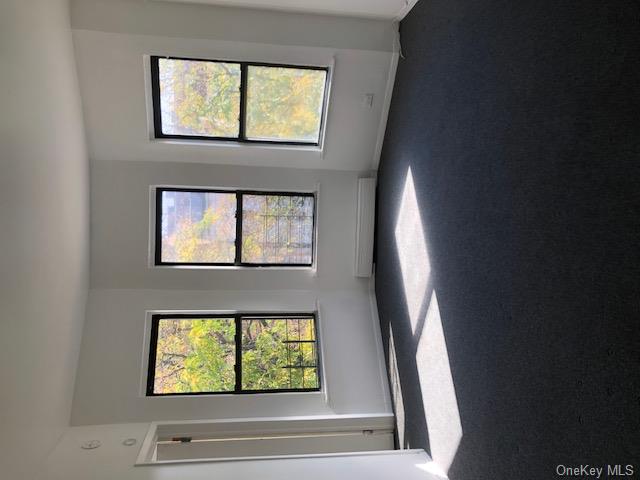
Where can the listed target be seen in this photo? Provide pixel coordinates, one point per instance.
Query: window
(203, 227)
(240, 101)
(237, 353)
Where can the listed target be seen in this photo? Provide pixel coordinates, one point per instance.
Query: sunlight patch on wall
(412, 251)
(396, 391)
(438, 391)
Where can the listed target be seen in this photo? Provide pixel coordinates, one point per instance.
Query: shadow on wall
(425, 374)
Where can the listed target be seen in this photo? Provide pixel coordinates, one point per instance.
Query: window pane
(199, 98)
(277, 229)
(198, 227)
(284, 104)
(195, 355)
(275, 355)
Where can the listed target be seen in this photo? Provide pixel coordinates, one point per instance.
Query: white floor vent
(243, 439)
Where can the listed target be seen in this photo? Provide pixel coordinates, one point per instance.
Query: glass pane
(307, 354)
(198, 227)
(310, 378)
(284, 104)
(277, 229)
(307, 332)
(199, 98)
(195, 355)
(296, 375)
(273, 358)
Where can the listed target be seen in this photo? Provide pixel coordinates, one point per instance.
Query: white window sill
(311, 270)
(232, 144)
(321, 394)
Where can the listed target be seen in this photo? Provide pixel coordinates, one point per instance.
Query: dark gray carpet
(519, 122)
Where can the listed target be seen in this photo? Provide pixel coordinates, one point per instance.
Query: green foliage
(277, 229)
(192, 241)
(284, 103)
(203, 98)
(266, 355)
(198, 355)
(195, 355)
(210, 366)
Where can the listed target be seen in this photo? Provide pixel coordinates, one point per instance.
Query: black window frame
(238, 241)
(241, 138)
(238, 317)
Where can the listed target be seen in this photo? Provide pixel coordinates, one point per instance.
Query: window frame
(238, 317)
(241, 138)
(157, 234)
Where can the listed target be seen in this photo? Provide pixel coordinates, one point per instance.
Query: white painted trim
(383, 422)
(310, 270)
(408, 5)
(380, 417)
(283, 457)
(316, 236)
(324, 386)
(232, 144)
(386, 101)
(382, 365)
(148, 94)
(234, 188)
(325, 111)
(146, 454)
(151, 263)
(146, 346)
(355, 14)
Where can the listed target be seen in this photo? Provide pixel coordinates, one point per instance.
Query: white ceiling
(384, 9)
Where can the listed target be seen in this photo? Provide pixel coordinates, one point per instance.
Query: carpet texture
(513, 147)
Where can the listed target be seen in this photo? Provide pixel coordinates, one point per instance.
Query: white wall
(124, 287)
(44, 234)
(110, 51)
(111, 371)
(114, 461)
(167, 19)
(110, 48)
(120, 226)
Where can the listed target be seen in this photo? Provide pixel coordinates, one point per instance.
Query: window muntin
(239, 101)
(202, 227)
(240, 353)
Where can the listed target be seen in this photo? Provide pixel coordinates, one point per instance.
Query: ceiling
(383, 9)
